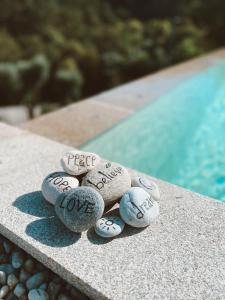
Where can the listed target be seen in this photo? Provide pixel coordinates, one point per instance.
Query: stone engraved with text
(78, 205)
(60, 182)
(106, 177)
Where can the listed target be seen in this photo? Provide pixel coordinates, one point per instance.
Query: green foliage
(59, 51)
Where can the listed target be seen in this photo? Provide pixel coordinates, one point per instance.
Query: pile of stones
(89, 186)
(23, 278)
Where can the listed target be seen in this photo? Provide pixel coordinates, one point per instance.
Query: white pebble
(2, 277)
(138, 208)
(4, 291)
(56, 183)
(109, 226)
(12, 281)
(148, 185)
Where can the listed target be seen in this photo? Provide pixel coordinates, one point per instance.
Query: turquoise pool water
(180, 137)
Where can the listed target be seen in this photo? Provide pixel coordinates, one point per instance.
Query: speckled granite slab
(181, 256)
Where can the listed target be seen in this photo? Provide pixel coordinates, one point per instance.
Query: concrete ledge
(181, 256)
(77, 123)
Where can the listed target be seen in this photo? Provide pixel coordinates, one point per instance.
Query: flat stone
(109, 226)
(148, 185)
(56, 183)
(180, 256)
(79, 162)
(138, 208)
(80, 208)
(110, 179)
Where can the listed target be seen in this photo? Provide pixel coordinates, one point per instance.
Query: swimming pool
(180, 137)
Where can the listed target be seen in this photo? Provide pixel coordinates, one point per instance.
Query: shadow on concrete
(51, 232)
(128, 231)
(34, 204)
(48, 230)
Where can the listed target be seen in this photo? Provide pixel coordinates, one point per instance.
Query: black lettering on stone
(89, 208)
(140, 214)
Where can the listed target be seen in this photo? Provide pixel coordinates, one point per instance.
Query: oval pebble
(19, 290)
(29, 265)
(138, 208)
(24, 275)
(80, 208)
(38, 294)
(4, 291)
(56, 183)
(2, 277)
(35, 281)
(78, 162)
(110, 179)
(148, 185)
(12, 281)
(109, 226)
(17, 259)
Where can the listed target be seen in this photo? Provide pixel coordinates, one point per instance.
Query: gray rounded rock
(77, 162)
(4, 291)
(56, 183)
(148, 185)
(19, 290)
(35, 281)
(138, 208)
(80, 208)
(12, 281)
(110, 179)
(38, 294)
(109, 226)
(17, 259)
(2, 277)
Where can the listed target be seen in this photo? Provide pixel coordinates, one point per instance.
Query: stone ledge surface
(181, 256)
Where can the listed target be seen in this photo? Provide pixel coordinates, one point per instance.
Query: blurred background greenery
(53, 52)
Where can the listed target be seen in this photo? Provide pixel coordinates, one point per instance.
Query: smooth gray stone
(35, 281)
(2, 277)
(77, 162)
(148, 185)
(4, 291)
(19, 290)
(56, 183)
(17, 259)
(110, 179)
(12, 281)
(138, 208)
(109, 226)
(7, 246)
(80, 208)
(29, 265)
(24, 275)
(38, 294)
